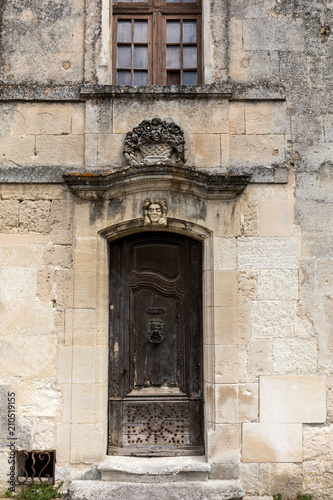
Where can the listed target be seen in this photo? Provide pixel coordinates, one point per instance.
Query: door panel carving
(155, 389)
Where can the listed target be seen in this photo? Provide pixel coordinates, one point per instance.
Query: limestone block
(270, 318)
(86, 254)
(225, 253)
(85, 289)
(33, 192)
(277, 284)
(110, 150)
(266, 118)
(9, 216)
(225, 151)
(315, 186)
(87, 444)
(34, 216)
(224, 219)
(203, 150)
(43, 433)
(206, 117)
(247, 402)
(257, 149)
(225, 288)
(235, 34)
(236, 403)
(295, 355)
(324, 275)
(91, 150)
(63, 436)
(60, 150)
(260, 192)
(232, 325)
(83, 403)
(272, 442)
(273, 34)
(61, 222)
(224, 443)
(330, 398)
(39, 397)
(247, 285)
(84, 365)
(287, 478)
(237, 118)
(129, 113)
(63, 290)
(251, 9)
(15, 254)
(312, 215)
(224, 471)
(17, 149)
(273, 253)
(293, 399)
(250, 219)
(275, 218)
(78, 125)
(17, 284)
(44, 284)
(259, 360)
(58, 256)
(85, 323)
(318, 442)
(229, 364)
(64, 364)
(32, 318)
(249, 476)
(44, 118)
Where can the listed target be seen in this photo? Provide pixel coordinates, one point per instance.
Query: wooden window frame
(157, 13)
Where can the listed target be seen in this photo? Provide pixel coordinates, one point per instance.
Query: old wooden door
(155, 378)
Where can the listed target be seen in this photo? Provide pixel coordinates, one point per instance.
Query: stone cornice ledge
(177, 178)
(234, 91)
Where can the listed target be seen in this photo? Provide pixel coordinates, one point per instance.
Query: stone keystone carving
(155, 212)
(154, 141)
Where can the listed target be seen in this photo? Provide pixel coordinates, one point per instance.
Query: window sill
(218, 90)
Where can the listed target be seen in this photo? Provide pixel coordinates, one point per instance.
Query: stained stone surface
(209, 490)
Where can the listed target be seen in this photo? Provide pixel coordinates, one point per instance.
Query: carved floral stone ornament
(155, 141)
(155, 212)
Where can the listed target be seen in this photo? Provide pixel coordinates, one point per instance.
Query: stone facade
(264, 111)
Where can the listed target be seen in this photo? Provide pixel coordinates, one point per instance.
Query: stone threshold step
(185, 490)
(154, 469)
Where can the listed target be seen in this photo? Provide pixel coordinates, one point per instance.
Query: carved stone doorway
(155, 363)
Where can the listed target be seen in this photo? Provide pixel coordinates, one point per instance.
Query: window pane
(140, 78)
(173, 32)
(173, 57)
(172, 1)
(124, 56)
(124, 78)
(190, 78)
(188, 1)
(190, 57)
(140, 57)
(124, 31)
(189, 31)
(141, 31)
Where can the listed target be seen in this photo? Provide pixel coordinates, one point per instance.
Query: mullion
(181, 51)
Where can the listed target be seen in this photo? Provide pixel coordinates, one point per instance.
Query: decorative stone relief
(155, 212)
(154, 141)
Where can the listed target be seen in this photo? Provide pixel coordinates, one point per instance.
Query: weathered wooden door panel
(155, 389)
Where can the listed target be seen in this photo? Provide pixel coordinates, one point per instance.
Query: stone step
(154, 469)
(181, 490)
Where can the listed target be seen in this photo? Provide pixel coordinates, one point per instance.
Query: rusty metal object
(35, 465)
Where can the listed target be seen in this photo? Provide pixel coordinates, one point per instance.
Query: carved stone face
(154, 213)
